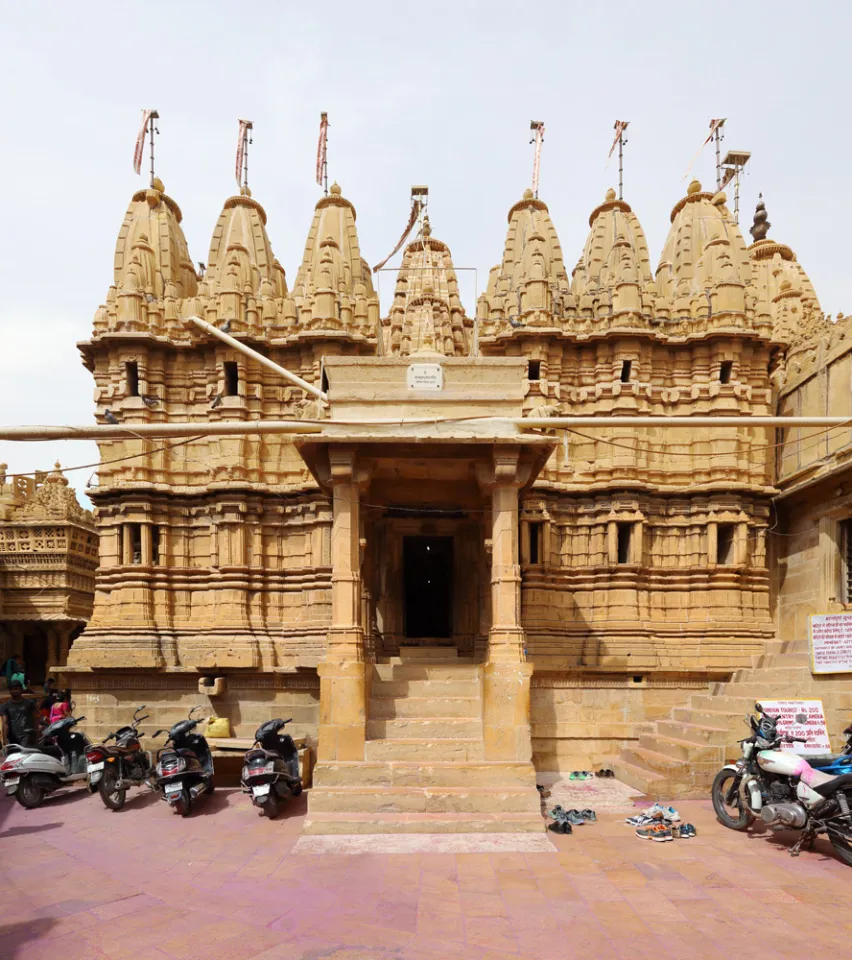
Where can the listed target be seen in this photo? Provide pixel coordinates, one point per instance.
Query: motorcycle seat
(262, 754)
(829, 759)
(843, 782)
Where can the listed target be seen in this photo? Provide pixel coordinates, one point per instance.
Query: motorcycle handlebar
(146, 717)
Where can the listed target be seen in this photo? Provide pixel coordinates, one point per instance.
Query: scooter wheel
(210, 787)
(28, 794)
(727, 804)
(269, 809)
(112, 797)
(183, 806)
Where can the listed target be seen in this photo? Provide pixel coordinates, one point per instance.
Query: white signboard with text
(425, 376)
(831, 642)
(800, 718)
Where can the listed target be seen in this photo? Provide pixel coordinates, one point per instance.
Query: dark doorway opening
(35, 657)
(428, 574)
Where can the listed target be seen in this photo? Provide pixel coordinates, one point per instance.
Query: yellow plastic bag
(219, 728)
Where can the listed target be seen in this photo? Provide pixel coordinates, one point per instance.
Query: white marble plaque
(425, 376)
(831, 643)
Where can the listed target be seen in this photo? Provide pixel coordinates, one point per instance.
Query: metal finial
(761, 224)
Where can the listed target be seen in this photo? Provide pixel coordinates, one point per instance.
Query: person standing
(20, 717)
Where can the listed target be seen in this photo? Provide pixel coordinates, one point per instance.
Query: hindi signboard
(800, 718)
(425, 376)
(831, 642)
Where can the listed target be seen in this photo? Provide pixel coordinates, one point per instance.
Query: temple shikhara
(444, 598)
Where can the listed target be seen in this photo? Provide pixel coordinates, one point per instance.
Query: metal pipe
(159, 431)
(253, 427)
(539, 423)
(258, 357)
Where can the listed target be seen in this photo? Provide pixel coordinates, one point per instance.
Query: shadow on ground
(15, 936)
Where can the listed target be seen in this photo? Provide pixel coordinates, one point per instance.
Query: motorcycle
(784, 791)
(271, 768)
(31, 773)
(184, 771)
(112, 769)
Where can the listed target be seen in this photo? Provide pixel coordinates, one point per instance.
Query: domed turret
(704, 268)
(530, 287)
(151, 250)
(241, 257)
(334, 287)
(615, 267)
(427, 315)
(783, 288)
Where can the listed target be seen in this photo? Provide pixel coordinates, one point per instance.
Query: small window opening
(232, 378)
(726, 368)
(625, 371)
(625, 533)
(131, 374)
(725, 543)
(535, 541)
(324, 382)
(155, 544)
(134, 531)
(535, 370)
(637, 679)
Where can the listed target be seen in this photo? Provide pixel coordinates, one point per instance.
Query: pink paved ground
(80, 883)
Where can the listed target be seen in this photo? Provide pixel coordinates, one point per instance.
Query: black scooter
(184, 770)
(271, 768)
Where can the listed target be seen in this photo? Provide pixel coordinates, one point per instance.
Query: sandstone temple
(444, 601)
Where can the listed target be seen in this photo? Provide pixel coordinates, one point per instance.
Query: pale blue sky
(438, 93)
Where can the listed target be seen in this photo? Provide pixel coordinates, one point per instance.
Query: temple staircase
(424, 768)
(680, 756)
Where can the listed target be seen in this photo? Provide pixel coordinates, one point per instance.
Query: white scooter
(784, 790)
(29, 774)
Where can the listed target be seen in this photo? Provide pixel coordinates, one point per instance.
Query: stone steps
(391, 708)
(423, 773)
(425, 728)
(640, 778)
(454, 672)
(681, 750)
(695, 733)
(390, 689)
(417, 748)
(454, 800)
(354, 823)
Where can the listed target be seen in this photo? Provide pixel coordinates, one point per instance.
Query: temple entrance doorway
(428, 587)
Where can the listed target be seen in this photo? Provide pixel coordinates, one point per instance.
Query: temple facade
(444, 600)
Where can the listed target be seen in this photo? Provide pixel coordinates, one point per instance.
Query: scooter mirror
(801, 718)
(758, 708)
(155, 735)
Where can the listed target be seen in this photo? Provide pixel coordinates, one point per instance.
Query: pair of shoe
(580, 775)
(575, 817)
(560, 826)
(657, 812)
(659, 832)
(605, 773)
(683, 831)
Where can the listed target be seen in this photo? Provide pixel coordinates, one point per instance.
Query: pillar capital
(505, 469)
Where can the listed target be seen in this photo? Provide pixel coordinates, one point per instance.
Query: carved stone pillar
(343, 671)
(506, 675)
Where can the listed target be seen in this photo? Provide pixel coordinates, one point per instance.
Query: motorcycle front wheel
(111, 795)
(28, 794)
(727, 802)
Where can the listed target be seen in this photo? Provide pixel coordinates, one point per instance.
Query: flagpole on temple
(152, 129)
(243, 140)
(717, 136)
(322, 154)
(621, 142)
(537, 126)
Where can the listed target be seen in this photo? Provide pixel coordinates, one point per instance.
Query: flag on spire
(139, 149)
(714, 126)
(620, 127)
(321, 148)
(242, 144)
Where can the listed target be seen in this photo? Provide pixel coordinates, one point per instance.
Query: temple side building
(48, 558)
(443, 601)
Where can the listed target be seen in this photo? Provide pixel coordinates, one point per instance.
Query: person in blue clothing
(13, 671)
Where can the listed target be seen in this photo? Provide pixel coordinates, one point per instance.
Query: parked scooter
(185, 770)
(271, 768)
(112, 769)
(784, 790)
(31, 773)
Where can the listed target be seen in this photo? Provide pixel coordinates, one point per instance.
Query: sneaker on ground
(659, 832)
